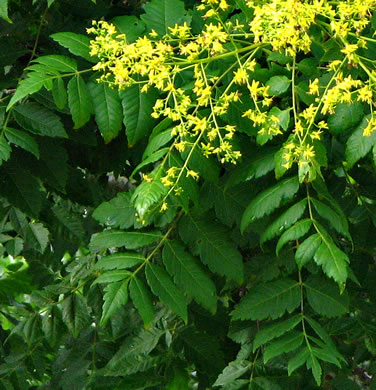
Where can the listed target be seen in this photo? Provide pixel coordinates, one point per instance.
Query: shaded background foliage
(66, 164)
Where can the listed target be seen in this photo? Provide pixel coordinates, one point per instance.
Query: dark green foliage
(253, 277)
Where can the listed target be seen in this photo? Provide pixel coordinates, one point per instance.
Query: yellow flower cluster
(200, 109)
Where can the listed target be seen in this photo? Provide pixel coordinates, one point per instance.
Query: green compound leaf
(287, 343)
(307, 250)
(39, 120)
(324, 297)
(215, 249)
(79, 101)
(130, 240)
(137, 110)
(276, 330)
(107, 109)
(116, 295)
(116, 213)
(295, 232)
(162, 14)
(120, 260)
(284, 221)
(268, 300)
(162, 286)
(233, 371)
(358, 145)
(77, 44)
(187, 274)
(267, 201)
(142, 300)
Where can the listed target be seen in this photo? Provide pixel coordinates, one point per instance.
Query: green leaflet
(107, 109)
(268, 300)
(116, 295)
(112, 276)
(186, 273)
(254, 168)
(37, 236)
(59, 93)
(156, 141)
(39, 120)
(307, 250)
(33, 83)
(142, 300)
(216, 250)
(5, 150)
(51, 325)
(162, 286)
(331, 258)
(298, 360)
(324, 297)
(284, 221)
(233, 371)
(135, 346)
(295, 232)
(357, 145)
(339, 224)
(156, 156)
(58, 63)
(345, 117)
(79, 100)
(130, 240)
(129, 25)
(287, 343)
(75, 313)
(22, 189)
(148, 193)
(268, 200)
(116, 213)
(4, 11)
(162, 14)
(71, 222)
(278, 85)
(120, 260)
(314, 365)
(23, 140)
(271, 332)
(77, 44)
(137, 110)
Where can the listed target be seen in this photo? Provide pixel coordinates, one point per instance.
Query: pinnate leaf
(307, 250)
